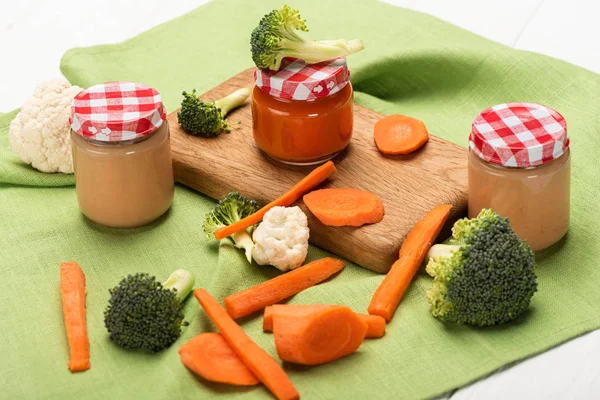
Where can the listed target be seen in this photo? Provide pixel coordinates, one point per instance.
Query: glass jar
(121, 154)
(520, 166)
(303, 114)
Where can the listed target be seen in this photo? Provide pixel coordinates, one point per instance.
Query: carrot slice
(413, 251)
(375, 324)
(318, 337)
(72, 289)
(262, 365)
(210, 356)
(281, 287)
(344, 206)
(399, 134)
(310, 181)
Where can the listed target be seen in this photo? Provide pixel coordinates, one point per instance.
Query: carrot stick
(72, 289)
(413, 251)
(281, 287)
(399, 134)
(344, 206)
(262, 365)
(375, 324)
(310, 181)
(210, 356)
(318, 337)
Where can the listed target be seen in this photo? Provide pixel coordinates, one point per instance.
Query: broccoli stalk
(276, 37)
(230, 209)
(200, 118)
(485, 276)
(144, 314)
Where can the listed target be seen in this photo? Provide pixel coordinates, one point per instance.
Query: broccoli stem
(182, 281)
(232, 101)
(243, 240)
(314, 52)
(441, 250)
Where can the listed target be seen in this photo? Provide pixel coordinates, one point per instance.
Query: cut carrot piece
(399, 134)
(344, 206)
(72, 289)
(210, 356)
(262, 365)
(309, 182)
(412, 253)
(281, 287)
(375, 324)
(318, 337)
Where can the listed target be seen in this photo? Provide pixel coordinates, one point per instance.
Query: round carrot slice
(344, 206)
(399, 134)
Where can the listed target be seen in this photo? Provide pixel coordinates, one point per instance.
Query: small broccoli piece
(144, 314)
(231, 208)
(485, 276)
(275, 38)
(204, 119)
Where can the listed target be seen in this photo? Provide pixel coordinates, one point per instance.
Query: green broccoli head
(199, 118)
(488, 276)
(276, 37)
(144, 314)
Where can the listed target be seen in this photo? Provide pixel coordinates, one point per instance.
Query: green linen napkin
(413, 64)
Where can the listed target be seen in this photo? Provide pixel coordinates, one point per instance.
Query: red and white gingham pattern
(117, 111)
(296, 80)
(519, 135)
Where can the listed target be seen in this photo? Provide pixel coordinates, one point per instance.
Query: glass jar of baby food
(121, 154)
(302, 114)
(520, 166)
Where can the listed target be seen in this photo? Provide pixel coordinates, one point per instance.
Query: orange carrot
(72, 289)
(310, 181)
(375, 324)
(318, 337)
(281, 287)
(344, 206)
(413, 251)
(210, 356)
(262, 365)
(399, 134)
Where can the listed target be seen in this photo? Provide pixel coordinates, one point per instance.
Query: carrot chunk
(262, 365)
(72, 289)
(399, 134)
(281, 287)
(344, 206)
(412, 253)
(210, 356)
(310, 181)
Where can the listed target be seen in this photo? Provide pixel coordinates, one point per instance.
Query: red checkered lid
(117, 111)
(296, 80)
(519, 135)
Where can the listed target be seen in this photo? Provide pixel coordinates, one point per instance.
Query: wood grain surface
(408, 185)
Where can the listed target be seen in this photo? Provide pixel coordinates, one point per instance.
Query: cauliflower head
(281, 240)
(40, 133)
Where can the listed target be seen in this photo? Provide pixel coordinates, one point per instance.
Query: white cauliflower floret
(281, 240)
(40, 133)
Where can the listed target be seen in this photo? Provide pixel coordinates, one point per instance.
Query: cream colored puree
(125, 184)
(536, 199)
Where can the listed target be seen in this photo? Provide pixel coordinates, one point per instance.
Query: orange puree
(302, 132)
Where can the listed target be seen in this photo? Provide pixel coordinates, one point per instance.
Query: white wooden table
(35, 34)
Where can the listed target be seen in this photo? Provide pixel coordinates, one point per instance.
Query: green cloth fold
(412, 64)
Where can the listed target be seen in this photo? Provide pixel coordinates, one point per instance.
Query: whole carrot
(72, 288)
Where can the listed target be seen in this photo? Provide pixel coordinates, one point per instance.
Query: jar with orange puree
(303, 114)
(520, 166)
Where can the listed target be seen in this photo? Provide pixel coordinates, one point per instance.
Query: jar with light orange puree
(303, 114)
(520, 166)
(121, 154)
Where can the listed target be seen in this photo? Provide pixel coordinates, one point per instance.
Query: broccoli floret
(231, 208)
(485, 276)
(275, 38)
(144, 314)
(200, 118)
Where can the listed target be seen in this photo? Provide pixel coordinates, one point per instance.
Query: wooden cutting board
(409, 186)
